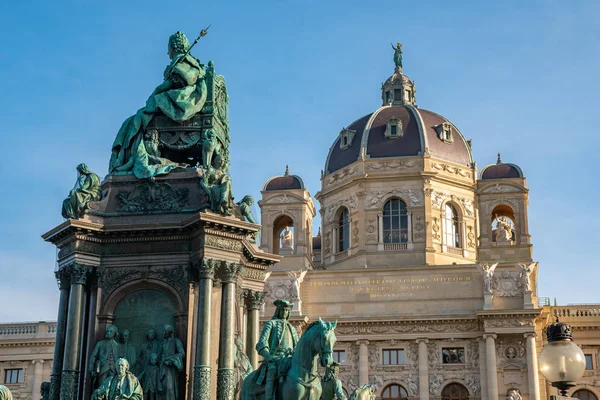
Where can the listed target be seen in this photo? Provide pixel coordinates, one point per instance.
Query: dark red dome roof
(285, 182)
(500, 170)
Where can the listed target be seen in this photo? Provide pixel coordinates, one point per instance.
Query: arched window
(343, 231)
(394, 392)
(583, 394)
(395, 222)
(451, 231)
(455, 391)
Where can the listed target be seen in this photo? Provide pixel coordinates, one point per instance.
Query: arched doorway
(394, 392)
(455, 391)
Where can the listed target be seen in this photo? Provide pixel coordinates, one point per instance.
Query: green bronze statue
(45, 390)
(242, 365)
(216, 183)
(397, 55)
(5, 394)
(171, 364)
(332, 386)
(244, 208)
(104, 356)
(150, 379)
(127, 349)
(181, 96)
(87, 188)
(123, 385)
(276, 344)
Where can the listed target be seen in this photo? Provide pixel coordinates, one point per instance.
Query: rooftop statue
(86, 189)
(123, 385)
(397, 55)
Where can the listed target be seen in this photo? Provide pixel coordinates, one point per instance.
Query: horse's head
(324, 346)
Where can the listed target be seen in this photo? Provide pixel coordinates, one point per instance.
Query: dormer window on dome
(393, 128)
(444, 132)
(346, 137)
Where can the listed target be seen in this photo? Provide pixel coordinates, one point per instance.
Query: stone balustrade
(27, 330)
(576, 311)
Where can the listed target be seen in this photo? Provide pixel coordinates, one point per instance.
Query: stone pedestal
(487, 301)
(528, 300)
(132, 261)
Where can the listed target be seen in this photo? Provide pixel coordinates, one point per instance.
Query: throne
(203, 138)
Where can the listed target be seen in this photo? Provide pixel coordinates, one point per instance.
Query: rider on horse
(276, 344)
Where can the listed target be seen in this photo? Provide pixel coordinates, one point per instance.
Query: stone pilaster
(228, 272)
(492, 371)
(423, 370)
(532, 367)
(363, 362)
(64, 284)
(71, 359)
(482, 369)
(38, 365)
(205, 273)
(254, 302)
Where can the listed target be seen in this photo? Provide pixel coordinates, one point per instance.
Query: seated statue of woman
(181, 96)
(87, 188)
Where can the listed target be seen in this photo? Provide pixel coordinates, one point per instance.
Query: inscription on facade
(390, 288)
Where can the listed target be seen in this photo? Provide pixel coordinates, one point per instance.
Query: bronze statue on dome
(397, 55)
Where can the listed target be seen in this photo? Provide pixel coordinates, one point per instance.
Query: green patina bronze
(332, 386)
(397, 55)
(122, 385)
(87, 188)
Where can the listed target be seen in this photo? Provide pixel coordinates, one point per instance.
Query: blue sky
(517, 77)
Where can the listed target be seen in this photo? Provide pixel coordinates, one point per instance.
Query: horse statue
(364, 392)
(302, 381)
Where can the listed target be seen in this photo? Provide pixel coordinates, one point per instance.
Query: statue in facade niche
(127, 349)
(86, 189)
(151, 345)
(332, 386)
(513, 394)
(276, 344)
(397, 55)
(287, 238)
(171, 364)
(503, 230)
(5, 394)
(150, 379)
(123, 385)
(104, 356)
(487, 271)
(181, 96)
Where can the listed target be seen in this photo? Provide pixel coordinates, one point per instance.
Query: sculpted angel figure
(525, 271)
(296, 278)
(487, 271)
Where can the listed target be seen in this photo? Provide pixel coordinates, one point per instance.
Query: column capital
(422, 340)
(254, 299)
(530, 334)
(205, 268)
(228, 271)
(37, 361)
(490, 335)
(362, 341)
(79, 274)
(63, 278)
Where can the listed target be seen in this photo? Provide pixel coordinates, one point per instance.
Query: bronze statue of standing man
(171, 364)
(276, 344)
(104, 356)
(397, 55)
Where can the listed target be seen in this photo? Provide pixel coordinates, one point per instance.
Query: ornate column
(409, 232)
(254, 301)
(532, 367)
(492, 372)
(226, 375)
(37, 378)
(363, 362)
(205, 270)
(63, 279)
(69, 382)
(423, 370)
(482, 369)
(380, 228)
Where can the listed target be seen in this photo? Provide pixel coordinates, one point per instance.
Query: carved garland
(415, 197)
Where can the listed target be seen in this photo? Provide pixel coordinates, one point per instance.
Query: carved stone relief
(437, 198)
(419, 227)
(394, 165)
(433, 354)
(351, 328)
(341, 176)
(470, 237)
(278, 289)
(473, 353)
(506, 284)
(435, 384)
(508, 323)
(498, 188)
(223, 243)
(351, 203)
(490, 204)
(451, 169)
(436, 229)
(511, 351)
(415, 197)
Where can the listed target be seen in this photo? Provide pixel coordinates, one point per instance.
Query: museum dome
(398, 129)
(500, 170)
(284, 182)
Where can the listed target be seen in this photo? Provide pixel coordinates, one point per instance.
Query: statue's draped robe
(171, 363)
(104, 357)
(86, 190)
(273, 338)
(120, 388)
(181, 103)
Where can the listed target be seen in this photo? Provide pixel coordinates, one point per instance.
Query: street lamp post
(561, 361)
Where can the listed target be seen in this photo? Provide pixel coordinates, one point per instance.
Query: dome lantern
(398, 89)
